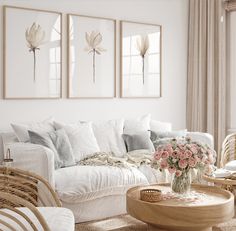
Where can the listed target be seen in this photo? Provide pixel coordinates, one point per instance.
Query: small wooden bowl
(151, 195)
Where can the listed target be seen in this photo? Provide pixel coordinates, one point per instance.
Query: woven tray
(151, 195)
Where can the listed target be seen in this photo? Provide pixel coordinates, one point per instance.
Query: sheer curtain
(206, 84)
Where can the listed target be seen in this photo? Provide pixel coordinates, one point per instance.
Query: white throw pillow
(140, 124)
(21, 130)
(82, 139)
(109, 136)
(158, 126)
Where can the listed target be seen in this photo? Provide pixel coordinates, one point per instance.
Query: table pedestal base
(162, 228)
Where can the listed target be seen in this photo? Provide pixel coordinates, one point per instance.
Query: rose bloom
(169, 149)
(192, 162)
(187, 154)
(197, 159)
(165, 155)
(178, 173)
(194, 149)
(172, 170)
(174, 154)
(182, 155)
(164, 164)
(168, 146)
(157, 155)
(183, 164)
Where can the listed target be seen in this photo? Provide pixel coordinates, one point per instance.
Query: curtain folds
(206, 84)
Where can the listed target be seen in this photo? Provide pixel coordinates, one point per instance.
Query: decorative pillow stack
(59, 143)
(43, 133)
(72, 143)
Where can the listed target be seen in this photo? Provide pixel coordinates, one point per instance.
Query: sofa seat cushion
(58, 219)
(84, 183)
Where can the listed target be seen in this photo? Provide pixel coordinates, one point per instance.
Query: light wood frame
(4, 51)
(68, 57)
(121, 64)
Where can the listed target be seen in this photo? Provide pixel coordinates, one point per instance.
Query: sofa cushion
(84, 183)
(140, 124)
(21, 130)
(109, 136)
(138, 141)
(158, 126)
(82, 139)
(58, 219)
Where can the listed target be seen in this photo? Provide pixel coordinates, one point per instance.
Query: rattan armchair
(228, 150)
(22, 196)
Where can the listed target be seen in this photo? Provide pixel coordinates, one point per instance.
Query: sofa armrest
(204, 138)
(34, 158)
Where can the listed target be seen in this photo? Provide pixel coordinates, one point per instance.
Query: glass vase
(181, 184)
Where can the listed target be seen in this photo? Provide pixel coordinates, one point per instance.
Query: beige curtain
(206, 85)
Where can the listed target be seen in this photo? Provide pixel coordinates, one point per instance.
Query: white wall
(171, 14)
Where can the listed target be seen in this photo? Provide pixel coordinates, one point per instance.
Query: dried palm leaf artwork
(35, 38)
(94, 40)
(142, 47)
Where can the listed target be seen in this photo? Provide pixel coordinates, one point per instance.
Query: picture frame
(92, 72)
(32, 53)
(140, 60)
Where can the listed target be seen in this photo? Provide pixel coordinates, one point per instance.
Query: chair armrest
(204, 138)
(34, 158)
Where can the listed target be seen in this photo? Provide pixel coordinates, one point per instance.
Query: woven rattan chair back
(28, 186)
(228, 151)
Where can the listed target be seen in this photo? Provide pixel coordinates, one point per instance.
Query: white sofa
(91, 192)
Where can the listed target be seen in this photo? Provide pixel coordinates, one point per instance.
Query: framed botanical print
(91, 57)
(32, 53)
(140, 60)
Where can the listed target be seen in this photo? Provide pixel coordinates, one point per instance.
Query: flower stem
(143, 70)
(93, 66)
(34, 53)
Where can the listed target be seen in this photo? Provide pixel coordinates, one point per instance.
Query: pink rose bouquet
(178, 157)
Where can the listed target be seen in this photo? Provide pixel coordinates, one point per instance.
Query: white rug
(128, 223)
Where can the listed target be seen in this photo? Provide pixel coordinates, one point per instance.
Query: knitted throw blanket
(130, 159)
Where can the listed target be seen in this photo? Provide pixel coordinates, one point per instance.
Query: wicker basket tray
(151, 195)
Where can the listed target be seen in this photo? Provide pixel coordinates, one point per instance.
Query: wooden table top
(208, 204)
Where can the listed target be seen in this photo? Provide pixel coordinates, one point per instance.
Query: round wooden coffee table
(211, 206)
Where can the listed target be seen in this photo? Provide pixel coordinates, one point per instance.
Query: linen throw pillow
(158, 126)
(138, 141)
(172, 134)
(109, 136)
(21, 130)
(138, 125)
(58, 142)
(82, 139)
(161, 138)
